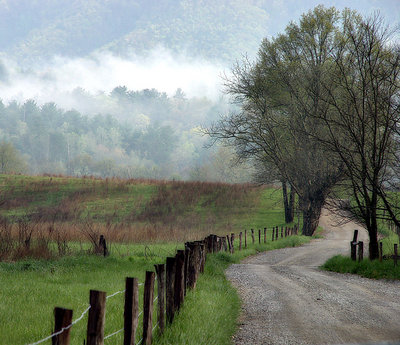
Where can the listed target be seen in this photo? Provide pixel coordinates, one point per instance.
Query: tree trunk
(373, 229)
(288, 204)
(291, 204)
(311, 213)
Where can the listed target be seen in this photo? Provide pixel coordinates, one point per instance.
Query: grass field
(144, 222)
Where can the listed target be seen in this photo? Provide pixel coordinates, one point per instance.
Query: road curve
(288, 300)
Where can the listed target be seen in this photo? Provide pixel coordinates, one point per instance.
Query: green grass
(366, 268)
(29, 290)
(210, 312)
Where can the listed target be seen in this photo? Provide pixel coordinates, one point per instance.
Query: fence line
(179, 274)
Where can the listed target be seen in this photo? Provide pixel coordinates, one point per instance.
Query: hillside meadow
(49, 226)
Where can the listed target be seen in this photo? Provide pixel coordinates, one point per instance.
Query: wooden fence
(357, 250)
(174, 278)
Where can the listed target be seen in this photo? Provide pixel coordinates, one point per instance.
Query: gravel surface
(288, 300)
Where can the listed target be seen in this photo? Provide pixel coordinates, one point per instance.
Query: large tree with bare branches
(362, 91)
(277, 112)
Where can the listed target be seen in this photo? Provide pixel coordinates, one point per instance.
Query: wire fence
(79, 319)
(178, 274)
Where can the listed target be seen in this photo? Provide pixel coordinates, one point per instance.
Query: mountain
(35, 30)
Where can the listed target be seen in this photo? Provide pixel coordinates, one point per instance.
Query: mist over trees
(145, 134)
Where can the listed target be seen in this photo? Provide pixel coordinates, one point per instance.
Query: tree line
(142, 133)
(320, 110)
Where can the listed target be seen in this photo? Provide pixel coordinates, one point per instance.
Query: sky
(163, 70)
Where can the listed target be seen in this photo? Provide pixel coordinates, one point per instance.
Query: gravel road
(288, 300)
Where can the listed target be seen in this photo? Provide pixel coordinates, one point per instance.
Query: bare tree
(363, 94)
(278, 112)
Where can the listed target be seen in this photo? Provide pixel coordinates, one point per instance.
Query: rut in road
(287, 299)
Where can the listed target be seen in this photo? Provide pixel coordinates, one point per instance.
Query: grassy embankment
(366, 268)
(159, 215)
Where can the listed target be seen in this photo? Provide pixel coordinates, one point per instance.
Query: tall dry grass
(178, 211)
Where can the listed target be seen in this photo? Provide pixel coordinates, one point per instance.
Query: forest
(140, 134)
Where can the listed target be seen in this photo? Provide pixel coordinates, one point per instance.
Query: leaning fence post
(252, 235)
(277, 233)
(232, 242)
(148, 308)
(395, 254)
(380, 252)
(360, 251)
(131, 310)
(160, 270)
(62, 319)
(169, 285)
(95, 326)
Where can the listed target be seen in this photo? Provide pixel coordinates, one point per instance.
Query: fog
(55, 80)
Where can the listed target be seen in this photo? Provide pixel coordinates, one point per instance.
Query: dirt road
(288, 300)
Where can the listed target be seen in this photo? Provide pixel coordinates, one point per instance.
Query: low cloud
(101, 72)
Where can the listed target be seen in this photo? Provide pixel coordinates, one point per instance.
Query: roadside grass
(30, 289)
(210, 312)
(367, 268)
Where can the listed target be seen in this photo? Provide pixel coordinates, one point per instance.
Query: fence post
(233, 242)
(160, 270)
(186, 270)
(265, 235)
(95, 326)
(229, 243)
(179, 279)
(355, 235)
(259, 236)
(245, 239)
(252, 235)
(62, 318)
(224, 245)
(277, 233)
(240, 240)
(380, 252)
(360, 251)
(353, 246)
(353, 250)
(169, 288)
(103, 244)
(395, 254)
(281, 231)
(273, 233)
(148, 308)
(131, 310)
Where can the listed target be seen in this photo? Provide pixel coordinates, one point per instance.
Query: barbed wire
(112, 334)
(62, 329)
(115, 293)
